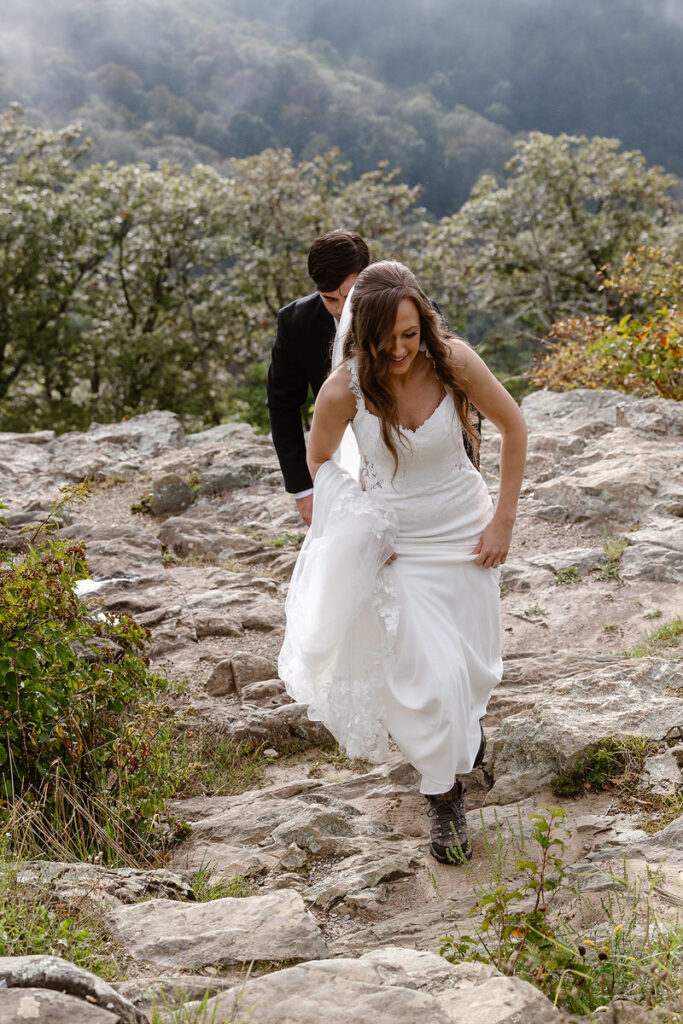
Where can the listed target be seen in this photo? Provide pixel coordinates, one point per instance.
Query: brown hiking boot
(450, 842)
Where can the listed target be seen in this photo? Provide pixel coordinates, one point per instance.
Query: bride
(393, 612)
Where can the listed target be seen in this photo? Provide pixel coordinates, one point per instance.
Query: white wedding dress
(410, 649)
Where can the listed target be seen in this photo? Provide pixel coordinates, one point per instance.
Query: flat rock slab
(420, 927)
(661, 847)
(634, 697)
(181, 936)
(107, 887)
(387, 986)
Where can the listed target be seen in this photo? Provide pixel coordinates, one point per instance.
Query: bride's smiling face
(402, 343)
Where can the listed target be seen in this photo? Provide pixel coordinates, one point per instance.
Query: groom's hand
(305, 507)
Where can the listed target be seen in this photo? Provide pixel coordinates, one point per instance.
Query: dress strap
(354, 383)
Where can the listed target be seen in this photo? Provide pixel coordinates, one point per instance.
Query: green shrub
(70, 741)
(641, 354)
(530, 921)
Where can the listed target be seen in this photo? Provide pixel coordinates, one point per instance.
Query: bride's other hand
(495, 404)
(493, 546)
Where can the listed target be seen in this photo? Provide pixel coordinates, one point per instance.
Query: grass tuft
(33, 922)
(531, 921)
(666, 639)
(606, 764)
(207, 887)
(568, 575)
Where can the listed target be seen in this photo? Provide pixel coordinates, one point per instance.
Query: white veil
(347, 455)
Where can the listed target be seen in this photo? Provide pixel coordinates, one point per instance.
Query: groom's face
(334, 301)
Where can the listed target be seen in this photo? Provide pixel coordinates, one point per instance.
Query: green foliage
(69, 681)
(143, 506)
(521, 256)
(197, 764)
(203, 80)
(641, 357)
(522, 930)
(614, 547)
(125, 289)
(604, 764)
(570, 574)
(246, 399)
(517, 934)
(206, 888)
(641, 354)
(33, 924)
(666, 639)
(128, 289)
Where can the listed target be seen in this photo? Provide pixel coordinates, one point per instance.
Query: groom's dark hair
(334, 256)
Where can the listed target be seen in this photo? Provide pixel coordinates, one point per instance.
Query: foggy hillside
(440, 88)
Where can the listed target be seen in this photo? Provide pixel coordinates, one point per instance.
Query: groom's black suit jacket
(302, 355)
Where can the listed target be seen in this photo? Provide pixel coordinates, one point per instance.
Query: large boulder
(391, 985)
(606, 456)
(17, 1006)
(171, 495)
(630, 697)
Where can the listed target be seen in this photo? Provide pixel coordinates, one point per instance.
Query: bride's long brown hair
(374, 304)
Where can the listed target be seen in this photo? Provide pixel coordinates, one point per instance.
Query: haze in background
(440, 88)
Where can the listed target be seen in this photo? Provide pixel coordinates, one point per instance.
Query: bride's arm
(494, 402)
(334, 407)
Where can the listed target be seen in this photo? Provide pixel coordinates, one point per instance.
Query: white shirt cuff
(302, 494)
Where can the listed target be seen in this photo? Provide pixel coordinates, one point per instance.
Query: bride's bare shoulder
(462, 353)
(336, 394)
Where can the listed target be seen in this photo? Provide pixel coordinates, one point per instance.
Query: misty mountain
(439, 88)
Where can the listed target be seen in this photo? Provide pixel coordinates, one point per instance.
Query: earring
(422, 347)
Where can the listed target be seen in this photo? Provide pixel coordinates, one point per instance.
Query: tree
(277, 207)
(529, 252)
(52, 239)
(121, 86)
(128, 289)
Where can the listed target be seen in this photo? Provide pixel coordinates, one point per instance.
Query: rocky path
(346, 908)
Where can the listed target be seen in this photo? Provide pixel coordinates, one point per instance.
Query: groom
(302, 353)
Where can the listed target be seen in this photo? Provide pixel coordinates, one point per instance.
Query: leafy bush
(69, 679)
(642, 357)
(641, 354)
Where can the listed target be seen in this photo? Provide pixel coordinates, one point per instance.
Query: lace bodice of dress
(428, 456)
